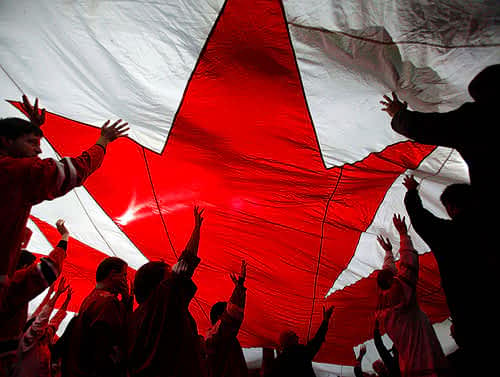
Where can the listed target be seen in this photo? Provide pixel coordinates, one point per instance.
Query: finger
(387, 98)
(42, 116)
(122, 132)
(35, 110)
(201, 212)
(395, 96)
(116, 123)
(26, 103)
(122, 126)
(384, 103)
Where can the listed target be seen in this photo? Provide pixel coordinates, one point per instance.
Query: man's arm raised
(189, 260)
(48, 179)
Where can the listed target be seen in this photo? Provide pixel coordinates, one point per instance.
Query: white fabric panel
(434, 177)
(85, 63)
(86, 221)
(38, 242)
(351, 53)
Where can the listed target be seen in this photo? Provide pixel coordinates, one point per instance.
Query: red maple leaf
(243, 146)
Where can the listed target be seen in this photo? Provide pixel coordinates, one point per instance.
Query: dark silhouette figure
(164, 338)
(294, 359)
(224, 354)
(464, 129)
(97, 341)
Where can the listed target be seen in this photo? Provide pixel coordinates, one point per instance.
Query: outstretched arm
(428, 226)
(389, 263)
(315, 343)
(384, 353)
(40, 323)
(55, 322)
(29, 282)
(48, 179)
(427, 128)
(188, 261)
(44, 301)
(230, 321)
(409, 258)
(358, 371)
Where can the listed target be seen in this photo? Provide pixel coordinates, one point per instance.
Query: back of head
(484, 87)
(288, 338)
(384, 279)
(107, 266)
(216, 311)
(13, 128)
(147, 278)
(26, 259)
(458, 195)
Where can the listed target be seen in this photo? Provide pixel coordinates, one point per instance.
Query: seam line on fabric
(470, 45)
(164, 223)
(321, 249)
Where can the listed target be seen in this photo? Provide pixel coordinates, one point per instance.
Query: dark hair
(108, 265)
(13, 128)
(484, 87)
(217, 310)
(382, 278)
(26, 259)
(147, 278)
(458, 195)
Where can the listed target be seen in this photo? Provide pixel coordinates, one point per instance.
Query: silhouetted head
(287, 339)
(384, 279)
(111, 274)
(26, 259)
(380, 368)
(19, 138)
(484, 87)
(456, 198)
(216, 311)
(147, 278)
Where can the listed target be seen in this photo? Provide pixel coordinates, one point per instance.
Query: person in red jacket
(26, 180)
(163, 337)
(33, 353)
(224, 354)
(97, 341)
(24, 285)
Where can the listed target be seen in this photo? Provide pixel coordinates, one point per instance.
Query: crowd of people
(112, 337)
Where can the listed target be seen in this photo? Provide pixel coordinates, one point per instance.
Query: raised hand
(36, 116)
(198, 218)
(243, 274)
(62, 286)
(386, 244)
(68, 296)
(113, 132)
(61, 228)
(400, 224)
(394, 105)
(327, 313)
(410, 183)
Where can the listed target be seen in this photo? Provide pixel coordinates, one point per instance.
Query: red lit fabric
(244, 145)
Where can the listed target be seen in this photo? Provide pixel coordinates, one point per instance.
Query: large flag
(266, 113)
